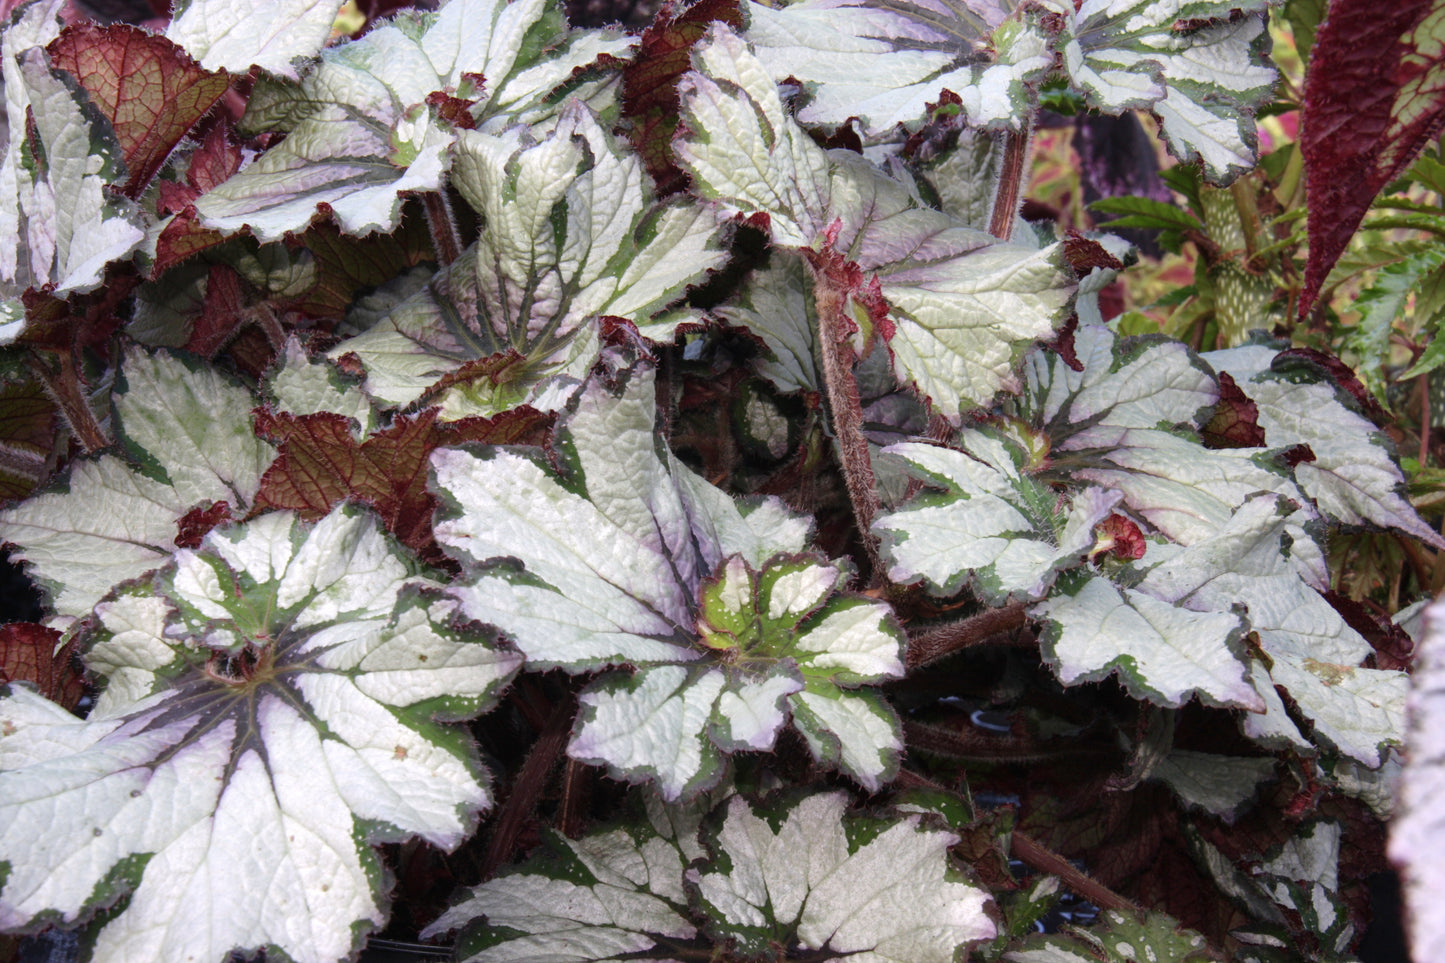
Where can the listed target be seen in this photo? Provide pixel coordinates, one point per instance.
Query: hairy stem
(1047, 861)
(65, 389)
(1010, 182)
(443, 226)
(936, 643)
(846, 410)
(527, 788)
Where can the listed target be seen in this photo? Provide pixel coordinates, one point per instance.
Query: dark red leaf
(1297, 454)
(1371, 103)
(1394, 649)
(345, 265)
(453, 110)
(27, 654)
(321, 463)
(80, 321)
(150, 89)
(1062, 343)
(1085, 254)
(29, 425)
(649, 82)
(1235, 423)
(224, 312)
(194, 524)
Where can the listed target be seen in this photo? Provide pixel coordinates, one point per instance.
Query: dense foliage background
(573, 469)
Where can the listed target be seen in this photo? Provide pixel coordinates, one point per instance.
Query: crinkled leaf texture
(624, 556)
(1052, 506)
(1199, 65)
(270, 711)
(231, 36)
(187, 430)
(786, 875)
(60, 223)
(961, 307)
(571, 232)
(378, 116)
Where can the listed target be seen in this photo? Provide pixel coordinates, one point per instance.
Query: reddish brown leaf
(1062, 343)
(194, 524)
(1084, 254)
(1373, 98)
(345, 265)
(649, 83)
(151, 90)
(27, 654)
(29, 426)
(215, 160)
(224, 311)
(321, 463)
(1235, 423)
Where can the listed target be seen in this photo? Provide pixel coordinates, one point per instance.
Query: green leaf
(884, 64)
(572, 232)
(1145, 212)
(269, 715)
(1163, 653)
(994, 527)
(1118, 938)
(1199, 65)
(626, 557)
(188, 430)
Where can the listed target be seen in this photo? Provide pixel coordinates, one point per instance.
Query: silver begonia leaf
(362, 127)
(961, 305)
(624, 556)
(187, 430)
(572, 232)
(270, 713)
(1199, 65)
(787, 874)
(61, 223)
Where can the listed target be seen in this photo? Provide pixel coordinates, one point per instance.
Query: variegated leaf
(268, 716)
(572, 232)
(186, 430)
(378, 116)
(626, 557)
(961, 306)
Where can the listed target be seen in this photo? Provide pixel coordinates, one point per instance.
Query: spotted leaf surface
(960, 306)
(363, 126)
(269, 713)
(626, 557)
(802, 877)
(572, 232)
(187, 442)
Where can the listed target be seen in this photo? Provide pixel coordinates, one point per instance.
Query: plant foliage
(585, 496)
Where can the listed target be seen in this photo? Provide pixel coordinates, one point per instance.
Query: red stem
(1048, 861)
(1010, 183)
(443, 224)
(845, 409)
(936, 643)
(65, 389)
